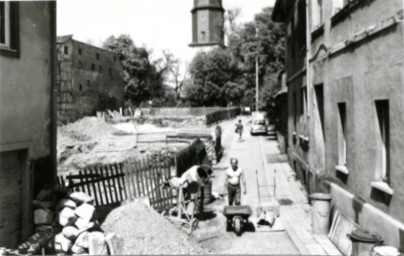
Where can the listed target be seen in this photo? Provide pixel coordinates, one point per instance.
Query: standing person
(234, 175)
(239, 128)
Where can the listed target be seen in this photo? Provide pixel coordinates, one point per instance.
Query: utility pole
(256, 72)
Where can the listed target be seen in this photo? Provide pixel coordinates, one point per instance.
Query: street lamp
(256, 73)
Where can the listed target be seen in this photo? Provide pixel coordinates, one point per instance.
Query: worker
(192, 179)
(234, 175)
(239, 129)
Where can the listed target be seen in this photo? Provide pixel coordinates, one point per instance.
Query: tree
(178, 79)
(210, 72)
(143, 78)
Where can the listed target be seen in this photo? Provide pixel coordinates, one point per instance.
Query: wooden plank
(113, 179)
(88, 181)
(151, 180)
(99, 188)
(155, 180)
(144, 173)
(113, 184)
(81, 181)
(135, 179)
(160, 171)
(140, 174)
(327, 245)
(128, 179)
(122, 190)
(125, 192)
(94, 188)
(105, 185)
(139, 183)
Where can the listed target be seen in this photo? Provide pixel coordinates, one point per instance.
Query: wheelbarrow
(237, 216)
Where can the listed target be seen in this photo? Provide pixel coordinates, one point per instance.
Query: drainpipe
(308, 73)
(53, 62)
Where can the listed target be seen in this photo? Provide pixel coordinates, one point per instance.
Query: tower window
(92, 67)
(100, 68)
(203, 35)
(80, 87)
(97, 55)
(66, 49)
(80, 51)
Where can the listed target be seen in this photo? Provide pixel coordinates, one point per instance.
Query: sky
(157, 24)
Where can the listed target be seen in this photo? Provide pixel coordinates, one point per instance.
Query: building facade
(27, 112)
(89, 79)
(345, 101)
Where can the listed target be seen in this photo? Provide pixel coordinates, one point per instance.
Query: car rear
(258, 127)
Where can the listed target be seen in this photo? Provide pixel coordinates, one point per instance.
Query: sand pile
(146, 232)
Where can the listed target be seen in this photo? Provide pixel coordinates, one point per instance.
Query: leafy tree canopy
(143, 78)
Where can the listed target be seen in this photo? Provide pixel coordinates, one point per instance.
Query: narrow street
(291, 233)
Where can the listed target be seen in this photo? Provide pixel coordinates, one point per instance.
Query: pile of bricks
(66, 223)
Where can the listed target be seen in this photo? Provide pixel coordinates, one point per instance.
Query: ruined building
(89, 79)
(344, 74)
(27, 112)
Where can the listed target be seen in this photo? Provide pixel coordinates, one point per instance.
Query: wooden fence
(114, 183)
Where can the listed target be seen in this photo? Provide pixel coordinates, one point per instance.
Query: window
(97, 55)
(80, 51)
(203, 34)
(66, 50)
(303, 101)
(5, 24)
(80, 87)
(318, 89)
(100, 68)
(9, 29)
(383, 141)
(317, 14)
(88, 82)
(342, 134)
(337, 5)
(92, 67)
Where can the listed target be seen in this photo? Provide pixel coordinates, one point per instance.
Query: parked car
(259, 126)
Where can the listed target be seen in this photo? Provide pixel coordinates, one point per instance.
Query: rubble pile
(67, 223)
(147, 232)
(91, 141)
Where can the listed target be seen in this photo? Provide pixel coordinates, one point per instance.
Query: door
(11, 170)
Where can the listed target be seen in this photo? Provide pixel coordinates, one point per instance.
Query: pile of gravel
(146, 232)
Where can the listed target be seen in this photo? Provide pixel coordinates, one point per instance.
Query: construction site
(119, 165)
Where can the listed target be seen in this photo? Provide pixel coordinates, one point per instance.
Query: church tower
(207, 23)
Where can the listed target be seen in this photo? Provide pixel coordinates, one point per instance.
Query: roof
(63, 39)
